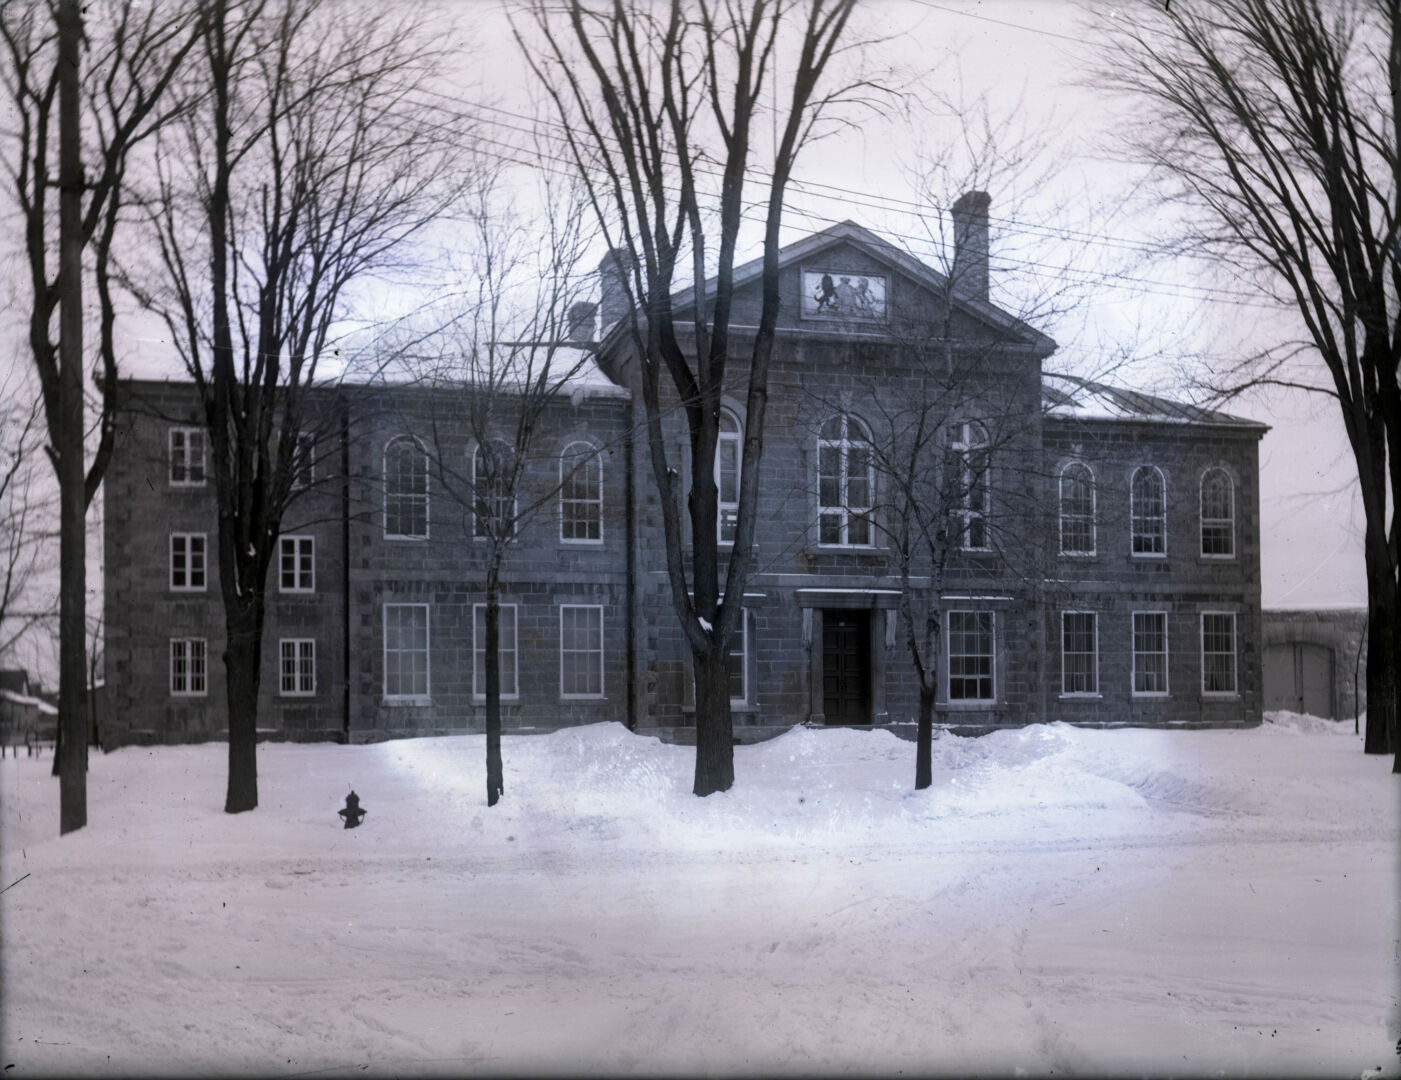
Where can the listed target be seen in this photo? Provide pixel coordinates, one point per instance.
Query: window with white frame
(187, 457)
(1150, 653)
(406, 653)
(1218, 652)
(966, 474)
(1148, 511)
(727, 463)
(580, 494)
(188, 667)
(846, 482)
(971, 660)
(506, 652)
(303, 461)
(405, 490)
(1218, 515)
(187, 562)
(1077, 510)
(297, 564)
(580, 651)
(1079, 654)
(493, 498)
(738, 657)
(297, 667)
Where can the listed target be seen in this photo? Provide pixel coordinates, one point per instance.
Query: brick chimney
(615, 284)
(970, 245)
(580, 319)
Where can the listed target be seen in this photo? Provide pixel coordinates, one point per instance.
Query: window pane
(970, 655)
(581, 650)
(1150, 652)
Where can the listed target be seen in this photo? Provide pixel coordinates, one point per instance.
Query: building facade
(1100, 563)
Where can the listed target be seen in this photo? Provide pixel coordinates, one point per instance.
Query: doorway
(846, 667)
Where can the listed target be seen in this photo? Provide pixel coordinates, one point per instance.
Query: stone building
(1101, 563)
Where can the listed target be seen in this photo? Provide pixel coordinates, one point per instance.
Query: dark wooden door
(846, 667)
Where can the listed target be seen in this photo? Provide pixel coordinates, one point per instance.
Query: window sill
(296, 592)
(299, 695)
(1079, 554)
(185, 485)
(189, 592)
(1220, 695)
(186, 695)
(397, 702)
(1164, 696)
(1081, 697)
(856, 549)
(581, 543)
(583, 697)
(966, 704)
(399, 536)
(505, 699)
(1147, 554)
(1216, 558)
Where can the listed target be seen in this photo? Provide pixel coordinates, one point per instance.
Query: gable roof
(1070, 397)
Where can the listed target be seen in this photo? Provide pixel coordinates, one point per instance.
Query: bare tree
(24, 512)
(301, 167)
(1274, 123)
(133, 53)
(652, 96)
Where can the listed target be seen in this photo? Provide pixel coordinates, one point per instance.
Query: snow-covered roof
(26, 699)
(1070, 397)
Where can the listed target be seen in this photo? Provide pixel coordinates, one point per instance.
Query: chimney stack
(580, 320)
(970, 245)
(615, 287)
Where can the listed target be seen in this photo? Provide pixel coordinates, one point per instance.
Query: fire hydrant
(352, 812)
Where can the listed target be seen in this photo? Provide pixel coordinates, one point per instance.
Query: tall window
(727, 461)
(1218, 515)
(739, 661)
(405, 490)
(188, 667)
(506, 652)
(187, 562)
(1150, 653)
(303, 461)
(966, 474)
(970, 656)
(845, 482)
(187, 449)
(406, 653)
(580, 651)
(1077, 510)
(493, 504)
(1079, 653)
(297, 667)
(1148, 511)
(1218, 652)
(580, 494)
(297, 564)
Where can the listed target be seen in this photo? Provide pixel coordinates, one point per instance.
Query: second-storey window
(187, 457)
(1079, 651)
(188, 667)
(580, 650)
(297, 558)
(845, 482)
(1148, 511)
(966, 474)
(303, 461)
(505, 653)
(405, 490)
(727, 464)
(297, 667)
(406, 652)
(1218, 515)
(580, 494)
(971, 656)
(1150, 653)
(1077, 510)
(187, 562)
(493, 495)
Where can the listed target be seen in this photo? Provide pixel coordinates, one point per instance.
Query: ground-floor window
(1218, 652)
(506, 652)
(188, 667)
(580, 650)
(1150, 653)
(1079, 650)
(405, 652)
(297, 668)
(739, 661)
(970, 656)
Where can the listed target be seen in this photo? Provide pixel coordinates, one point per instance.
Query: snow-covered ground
(1060, 901)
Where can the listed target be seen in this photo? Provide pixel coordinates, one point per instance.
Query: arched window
(405, 489)
(1077, 510)
(966, 470)
(727, 460)
(493, 490)
(580, 494)
(845, 482)
(1218, 515)
(1148, 511)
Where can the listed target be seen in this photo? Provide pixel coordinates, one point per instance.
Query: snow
(1060, 900)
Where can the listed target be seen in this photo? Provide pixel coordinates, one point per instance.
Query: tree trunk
(715, 739)
(1383, 665)
(242, 672)
(491, 662)
(72, 751)
(924, 738)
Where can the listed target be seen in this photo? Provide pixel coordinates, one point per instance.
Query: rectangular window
(298, 564)
(506, 652)
(580, 651)
(1079, 651)
(297, 668)
(188, 667)
(187, 562)
(580, 495)
(406, 653)
(187, 447)
(1218, 652)
(970, 656)
(739, 661)
(1150, 653)
(727, 461)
